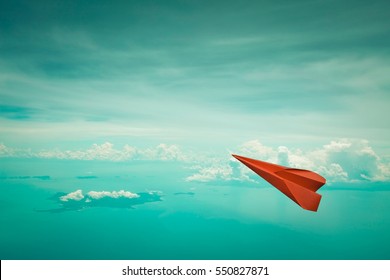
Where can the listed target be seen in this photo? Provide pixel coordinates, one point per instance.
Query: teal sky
(215, 74)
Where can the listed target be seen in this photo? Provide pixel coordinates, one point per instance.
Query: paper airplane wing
(305, 178)
(298, 184)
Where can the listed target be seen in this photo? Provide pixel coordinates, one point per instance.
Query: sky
(207, 78)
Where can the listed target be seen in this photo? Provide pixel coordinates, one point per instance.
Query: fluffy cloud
(163, 152)
(219, 170)
(211, 173)
(113, 194)
(105, 151)
(344, 160)
(6, 151)
(256, 149)
(75, 201)
(354, 160)
(340, 160)
(76, 195)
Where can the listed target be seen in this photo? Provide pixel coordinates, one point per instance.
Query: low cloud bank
(344, 160)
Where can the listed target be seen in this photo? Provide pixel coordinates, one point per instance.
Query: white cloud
(337, 146)
(113, 194)
(162, 152)
(256, 149)
(105, 151)
(76, 195)
(4, 150)
(355, 157)
(341, 160)
(220, 170)
(216, 172)
(333, 172)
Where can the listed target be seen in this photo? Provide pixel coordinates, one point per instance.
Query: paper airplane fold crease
(299, 185)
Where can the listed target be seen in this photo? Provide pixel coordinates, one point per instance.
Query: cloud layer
(105, 151)
(75, 201)
(78, 195)
(344, 160)
(113, 194)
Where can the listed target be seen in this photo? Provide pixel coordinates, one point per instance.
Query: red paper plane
(298, 184)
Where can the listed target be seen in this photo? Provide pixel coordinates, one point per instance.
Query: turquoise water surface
(176, 219)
